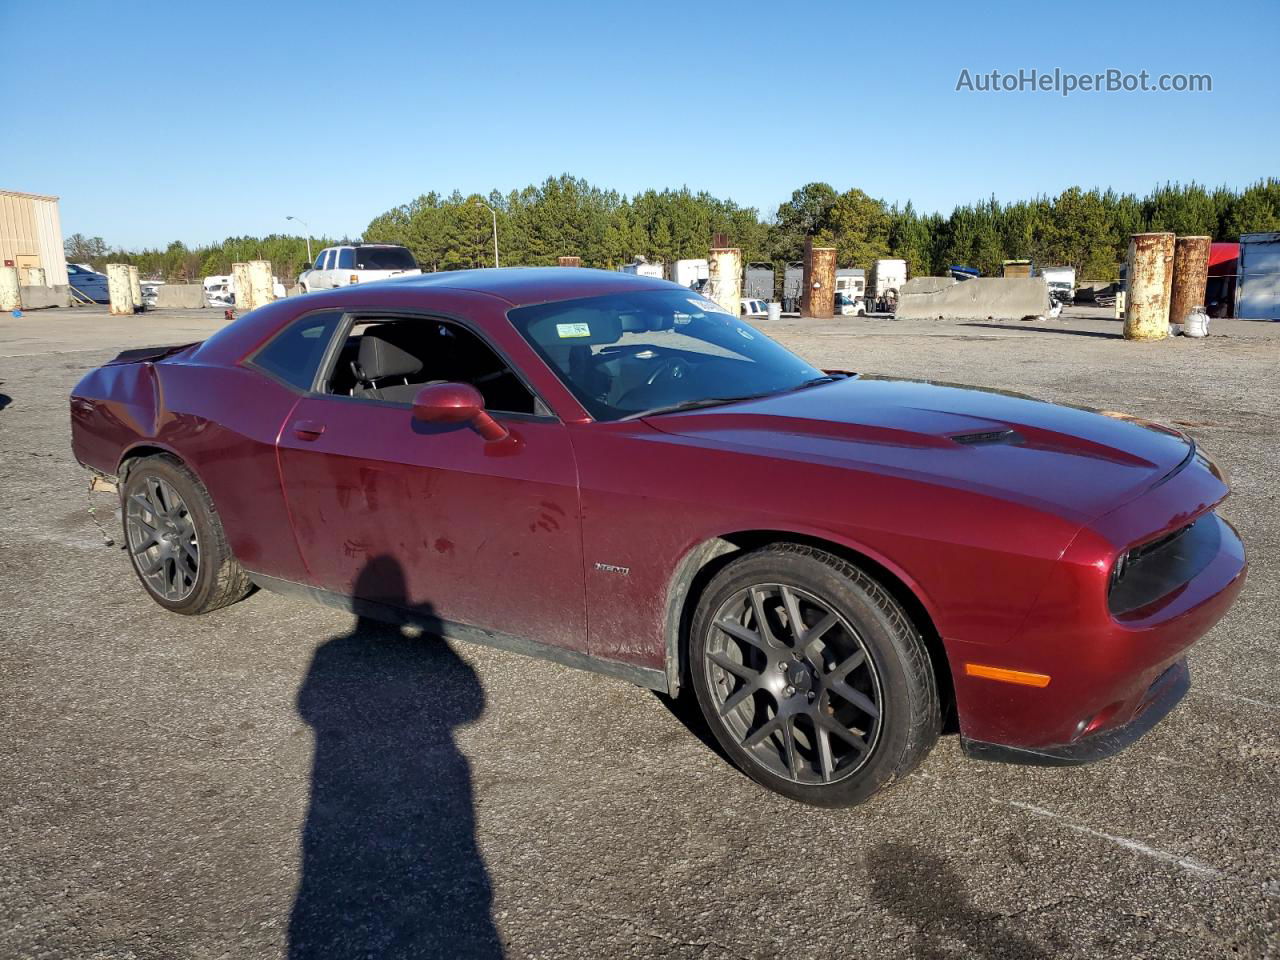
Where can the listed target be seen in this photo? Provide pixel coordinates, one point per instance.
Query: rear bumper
(1162, 696)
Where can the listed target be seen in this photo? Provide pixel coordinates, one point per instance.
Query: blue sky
(162, 121)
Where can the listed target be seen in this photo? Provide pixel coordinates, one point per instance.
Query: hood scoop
(987, 437)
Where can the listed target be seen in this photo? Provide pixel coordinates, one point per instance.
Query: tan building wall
(31, 235)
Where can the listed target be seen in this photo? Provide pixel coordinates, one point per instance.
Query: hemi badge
(612, 568)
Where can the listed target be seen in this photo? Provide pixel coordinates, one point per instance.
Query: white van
(357, 263)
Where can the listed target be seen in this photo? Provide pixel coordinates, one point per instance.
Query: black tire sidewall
(908, 695)
(207, 535)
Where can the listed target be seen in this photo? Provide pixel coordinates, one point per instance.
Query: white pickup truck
(357, 263)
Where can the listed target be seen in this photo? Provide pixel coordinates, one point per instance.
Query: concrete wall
(33, 298)
(986, 298)
(179, 296)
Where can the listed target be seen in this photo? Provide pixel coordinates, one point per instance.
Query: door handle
(307, 429)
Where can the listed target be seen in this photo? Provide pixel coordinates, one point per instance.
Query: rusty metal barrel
(1190, 275)
(262, 285)
(135, 287)
(819, 297)
(120, 289)
(724, 278)
(1146, 315)
(10, 289)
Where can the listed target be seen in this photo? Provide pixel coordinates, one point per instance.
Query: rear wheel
(175, 539)
(811, 676)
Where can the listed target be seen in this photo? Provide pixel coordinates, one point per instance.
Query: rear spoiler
(143, 354)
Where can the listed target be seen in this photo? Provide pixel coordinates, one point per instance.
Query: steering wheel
(674, 369)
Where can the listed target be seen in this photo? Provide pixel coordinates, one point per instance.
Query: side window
(346, 259)
(328, 260)
(391, 360)
(295, 353)
(320, 259)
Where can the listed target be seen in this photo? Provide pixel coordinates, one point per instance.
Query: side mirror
(456, 403)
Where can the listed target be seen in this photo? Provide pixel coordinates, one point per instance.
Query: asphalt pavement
(278, 779)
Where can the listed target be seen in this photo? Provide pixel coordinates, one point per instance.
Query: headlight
(1118, 568)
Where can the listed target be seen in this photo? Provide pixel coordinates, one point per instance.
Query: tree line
(566, 215)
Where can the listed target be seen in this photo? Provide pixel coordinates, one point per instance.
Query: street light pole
(494, 213)
(308, 226)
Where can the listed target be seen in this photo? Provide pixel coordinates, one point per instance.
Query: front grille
(1155, 569)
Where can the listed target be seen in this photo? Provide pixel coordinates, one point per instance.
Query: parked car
(847, 306)
(587, 466)
(755, 308)
(359, 263)
(88, 283)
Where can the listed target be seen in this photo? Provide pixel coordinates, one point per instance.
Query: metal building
(1258, 288)
(31, 236)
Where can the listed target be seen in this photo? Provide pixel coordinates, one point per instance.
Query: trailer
(643, 268)
(690, 273)
(1061, 282)
(1258, 287)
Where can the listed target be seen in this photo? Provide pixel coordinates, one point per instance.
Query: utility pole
(308, 227)
(494, 213)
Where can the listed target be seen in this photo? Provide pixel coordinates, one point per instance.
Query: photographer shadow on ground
(390, 866)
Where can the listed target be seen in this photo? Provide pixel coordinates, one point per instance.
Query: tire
(791, 711)
(175, 539)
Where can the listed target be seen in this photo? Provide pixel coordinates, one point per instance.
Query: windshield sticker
(707, 306)
(568, 330)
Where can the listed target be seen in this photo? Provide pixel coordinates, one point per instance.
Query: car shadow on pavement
(926, 893)
(390, 864)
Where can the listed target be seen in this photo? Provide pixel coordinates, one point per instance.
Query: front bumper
(1162, 696)
(1110, 670)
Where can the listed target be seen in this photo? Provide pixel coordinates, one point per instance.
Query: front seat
(379, 361)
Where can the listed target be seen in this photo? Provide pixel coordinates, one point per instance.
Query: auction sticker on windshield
(568, 330)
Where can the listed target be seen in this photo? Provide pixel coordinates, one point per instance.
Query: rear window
(295, 354)
(384, 258)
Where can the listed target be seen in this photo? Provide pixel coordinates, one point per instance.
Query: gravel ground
(274, 779)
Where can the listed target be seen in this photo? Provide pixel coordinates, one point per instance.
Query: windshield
(628, 353)
(384, 258)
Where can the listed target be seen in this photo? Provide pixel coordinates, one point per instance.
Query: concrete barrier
(36, 298)
(180, 296)
(927, 284)
(986, 298)
(1088, 291)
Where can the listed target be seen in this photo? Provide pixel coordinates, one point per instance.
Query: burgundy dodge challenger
(612, 472)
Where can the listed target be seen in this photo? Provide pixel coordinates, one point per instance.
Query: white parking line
(1190, 864)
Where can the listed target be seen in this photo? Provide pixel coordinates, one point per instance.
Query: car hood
(1074, 462)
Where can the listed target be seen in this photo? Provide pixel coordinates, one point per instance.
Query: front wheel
(175, 539)
(811, 676)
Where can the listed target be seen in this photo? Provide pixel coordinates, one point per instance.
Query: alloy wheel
(793, 683)
(162, 539)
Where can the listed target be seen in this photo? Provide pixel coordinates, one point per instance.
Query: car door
(435, 519)
(326, 269)
(345, 267)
